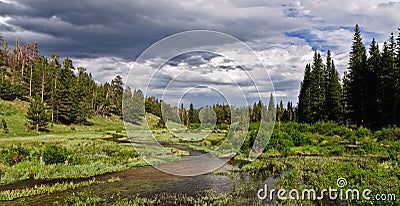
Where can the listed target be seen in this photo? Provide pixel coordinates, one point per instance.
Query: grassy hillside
(14, 114)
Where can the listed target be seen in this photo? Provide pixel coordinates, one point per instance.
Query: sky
(107, 37)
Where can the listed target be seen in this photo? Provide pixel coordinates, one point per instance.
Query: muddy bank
(150, 181)
(140, 173)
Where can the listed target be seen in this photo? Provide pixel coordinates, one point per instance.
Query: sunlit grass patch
(13, 112)
(8, 195)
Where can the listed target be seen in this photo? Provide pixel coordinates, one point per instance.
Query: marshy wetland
(97, 165)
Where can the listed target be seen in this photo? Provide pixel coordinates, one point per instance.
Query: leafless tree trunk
(43, 84)
(54, 93)
(30, 83)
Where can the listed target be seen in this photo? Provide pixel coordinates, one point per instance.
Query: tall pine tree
(318, 89)
(397, 80)
(374, 95)
(304, 106)
(388, 81)
(333, 102)
(357, 76)
(66, 102)
(271, 110)
(37, 114)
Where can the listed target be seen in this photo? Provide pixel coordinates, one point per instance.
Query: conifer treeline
(69, 94)
(320, 96)
(191, 117)
(60, 92)
(369, 93)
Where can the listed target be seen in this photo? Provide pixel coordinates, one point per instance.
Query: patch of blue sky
(312, 39)
(367, 35)
(295, 13)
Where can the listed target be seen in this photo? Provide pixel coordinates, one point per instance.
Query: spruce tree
(193, 114)
(55, 72)
(66, 102)
(37, 114)
(318, 88)
(290, 112)
(182, 113)
(388, 81)
(256, 112)
(271, 110)
(374, 95)
(253, 113)
(345, 98)
(304, 105)
(397, 83)
(398, 50)
(280, 111)
(133, 106)
(82, 96)
(357, 75)
(333, 102)
(116, 96)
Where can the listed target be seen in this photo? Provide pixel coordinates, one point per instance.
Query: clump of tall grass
(8, 195)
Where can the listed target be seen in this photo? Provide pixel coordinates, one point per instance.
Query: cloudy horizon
(106, 37)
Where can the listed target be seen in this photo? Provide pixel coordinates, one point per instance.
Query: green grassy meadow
(73, 152)
(306, 156)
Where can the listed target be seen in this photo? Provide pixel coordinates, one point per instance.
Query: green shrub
(394, 150)
(15, 154)
(300, 139)
(320, 127)
(337, 150)
(340, 131)
(54, 154)
(124, 155)
(390, 134)
(280, 141)
(371, 147)
(362, 132)
(4, 127)
(86, 198)
(360, 151)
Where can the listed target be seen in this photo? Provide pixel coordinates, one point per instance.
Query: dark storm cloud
(196, 59)
(124, 28)
(285, 85)
(191, 58)
(121, 28)
(105, 36)
(196, 81)
(7, 28)
(11, 9)
(159, 81)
